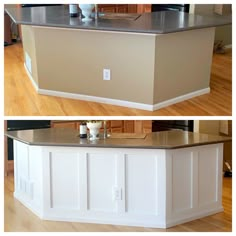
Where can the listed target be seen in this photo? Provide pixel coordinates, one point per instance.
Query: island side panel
(72, 61)
(194, 183)
(28, 187)
(183, 64)
(115, 186)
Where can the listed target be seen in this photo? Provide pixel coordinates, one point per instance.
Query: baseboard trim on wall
(31, 78)
(117, 102)
(228, 46)
(125, 103)
(181, 98)
(88, 98)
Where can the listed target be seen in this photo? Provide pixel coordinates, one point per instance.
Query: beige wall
(177, 71)
(216, 127)
(73, 61)
(209, 126)
(223, 32)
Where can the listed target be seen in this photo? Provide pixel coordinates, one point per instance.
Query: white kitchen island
(162, 180)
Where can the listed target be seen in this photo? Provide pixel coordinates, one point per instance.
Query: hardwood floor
(19, 218)
(21, 98)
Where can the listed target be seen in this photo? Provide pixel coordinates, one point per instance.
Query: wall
(209, 126)
(223, 32)
(217, 127)
(86, 53)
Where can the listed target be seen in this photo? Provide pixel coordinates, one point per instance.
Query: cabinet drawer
(128, 126)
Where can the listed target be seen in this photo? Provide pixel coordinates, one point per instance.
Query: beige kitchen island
(161, 180)
(155, 60)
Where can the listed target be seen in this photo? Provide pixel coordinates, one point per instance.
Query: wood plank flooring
(21, 99)
(18, 218)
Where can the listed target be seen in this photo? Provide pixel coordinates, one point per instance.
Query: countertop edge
(91, 145)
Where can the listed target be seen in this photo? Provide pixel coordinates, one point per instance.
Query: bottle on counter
(73, 10)
(83, 130)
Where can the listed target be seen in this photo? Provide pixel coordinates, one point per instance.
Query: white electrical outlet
(117, 195)
(106, 74)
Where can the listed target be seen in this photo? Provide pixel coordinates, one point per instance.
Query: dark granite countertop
(152, 23)
(158, 140)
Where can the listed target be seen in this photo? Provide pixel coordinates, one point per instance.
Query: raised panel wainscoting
(122, 186)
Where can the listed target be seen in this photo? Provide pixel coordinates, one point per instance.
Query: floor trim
(117, 102)
(181, 98)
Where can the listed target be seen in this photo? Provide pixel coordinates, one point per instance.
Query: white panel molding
(153, 166)
(120, 182)
(83, 181)
(50, 181)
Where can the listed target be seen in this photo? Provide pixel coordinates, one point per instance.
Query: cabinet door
(147, 126)
(122, 8)
(141, 8)
(117, 130)
(132, 8)
(71, 124)
(107, 8)
(143, 126)
(128, 126)
(116, 123)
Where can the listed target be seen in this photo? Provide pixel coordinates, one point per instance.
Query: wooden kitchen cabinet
(128, 126)
(113, 126)
(142, 8)
(107, 8)
(122, 8)
(65, 124)
(143, 126)
(116, 123)
(114, 8)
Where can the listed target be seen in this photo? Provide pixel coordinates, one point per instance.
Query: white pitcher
(86, 11)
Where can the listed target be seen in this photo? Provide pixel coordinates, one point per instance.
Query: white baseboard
(181, 98)
(31, 78)
(117, 102)
(97, 99)
(228, 46)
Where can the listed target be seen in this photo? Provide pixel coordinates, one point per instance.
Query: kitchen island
(161, 180)
(165, 57)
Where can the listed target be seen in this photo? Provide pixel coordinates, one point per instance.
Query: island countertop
(157, 140)
(152, 23)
